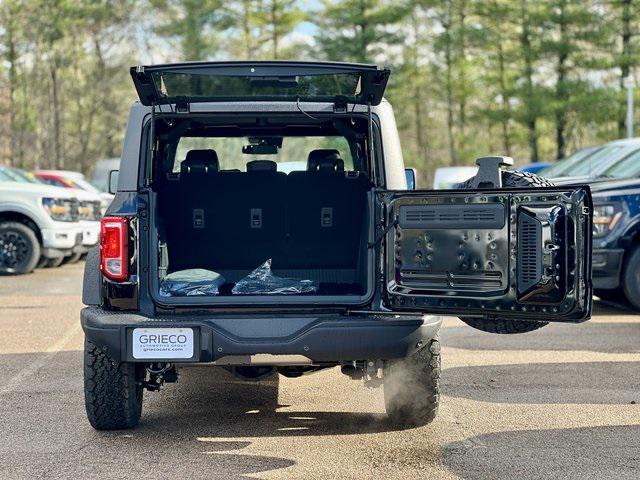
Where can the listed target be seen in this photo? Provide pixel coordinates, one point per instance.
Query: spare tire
(510, 178)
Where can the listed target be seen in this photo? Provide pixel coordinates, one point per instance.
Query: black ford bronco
(264, 222)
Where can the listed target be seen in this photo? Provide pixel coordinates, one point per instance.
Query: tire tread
(412, 386)
(113, 395)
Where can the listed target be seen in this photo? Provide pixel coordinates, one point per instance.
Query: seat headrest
(200, 161)
(325, 160)
(262, 166)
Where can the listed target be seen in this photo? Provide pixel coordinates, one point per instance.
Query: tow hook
(370, 371)
(373, 373)
(159, 373)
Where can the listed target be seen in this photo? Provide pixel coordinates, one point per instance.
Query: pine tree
(497, 19)
(278, 19)
(530, 111)
(194, 24)
(571, 32)
(626, 27)
(356, 30)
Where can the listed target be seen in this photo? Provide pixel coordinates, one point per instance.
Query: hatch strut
(370, 139)
(152, 135)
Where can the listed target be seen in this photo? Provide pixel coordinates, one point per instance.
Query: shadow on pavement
(607, 383)
(613, 307)
(572, 453)
(221, 406)
(613, 337)
(46, 434)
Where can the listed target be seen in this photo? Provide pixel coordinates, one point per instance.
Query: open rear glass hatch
(265, 80)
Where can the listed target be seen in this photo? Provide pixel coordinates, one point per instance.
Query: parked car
(70, 179)
(90, 213)
(616, 239)
(565, 165)
(596, 163)
(449, 177)
(36, 222)
(628, 167)
(208, 259)
(535, 167)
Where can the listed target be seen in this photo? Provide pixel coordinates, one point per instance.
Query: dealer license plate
(165, 343)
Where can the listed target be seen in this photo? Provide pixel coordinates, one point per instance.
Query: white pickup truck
(36, 221)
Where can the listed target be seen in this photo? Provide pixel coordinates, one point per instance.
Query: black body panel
(323, 338)
(522, 253)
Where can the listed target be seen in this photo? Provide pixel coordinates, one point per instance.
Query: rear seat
(325, 209)
(187, 199)
(253, 209)
(236, 220)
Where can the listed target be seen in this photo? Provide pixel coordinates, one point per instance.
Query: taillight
(114, 255)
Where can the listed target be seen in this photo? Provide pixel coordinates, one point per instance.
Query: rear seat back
(252, 218)
(236, 220)
(325, 210)
(186, 201)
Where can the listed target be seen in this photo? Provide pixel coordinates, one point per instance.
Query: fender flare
(92, 280)
(34, 216)
(631, 230)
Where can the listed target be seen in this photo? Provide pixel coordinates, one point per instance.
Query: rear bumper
(62, 236)
(321, 338)
(62, 240)
(606, 267)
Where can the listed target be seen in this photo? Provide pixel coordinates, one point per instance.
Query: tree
(530, 100)
(279, 18)
(356, 30)
(410, 90)
(194, 24)
(628, 58)
(498, 19)
(10, 28)
(244, 14)
(571, 32)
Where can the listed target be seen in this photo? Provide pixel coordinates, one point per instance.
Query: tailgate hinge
(340, 104)
(183, 105)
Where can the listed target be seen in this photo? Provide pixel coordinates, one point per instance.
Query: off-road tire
(112, 390)
(412, 386)
(502, 326)
(23, 249)
(631, 278)
(510, 178)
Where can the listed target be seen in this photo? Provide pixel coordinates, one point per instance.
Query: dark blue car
(616, 238)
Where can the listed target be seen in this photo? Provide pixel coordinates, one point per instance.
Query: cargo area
(309, 223)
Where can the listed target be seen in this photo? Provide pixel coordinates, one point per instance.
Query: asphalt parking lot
(562, 402)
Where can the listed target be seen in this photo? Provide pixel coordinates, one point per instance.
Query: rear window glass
(593, 163)
(565, 165)
(292, 156)
(628, 167)
(212, 87)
